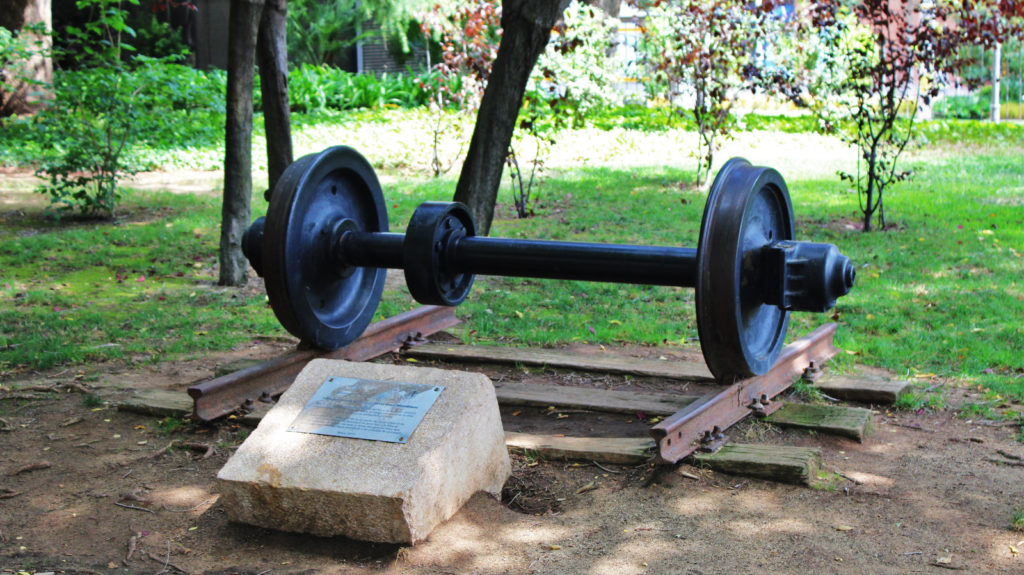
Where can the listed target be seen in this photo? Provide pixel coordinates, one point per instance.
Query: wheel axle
(324, 245)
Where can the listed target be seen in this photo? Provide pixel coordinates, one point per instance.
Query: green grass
(921, 400)
(941, 293)
(139, 290)
(944, 292)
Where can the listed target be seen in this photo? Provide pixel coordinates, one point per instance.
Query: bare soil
(85, 488)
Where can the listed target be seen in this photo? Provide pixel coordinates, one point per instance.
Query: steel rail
(242, 389)
(701, 424)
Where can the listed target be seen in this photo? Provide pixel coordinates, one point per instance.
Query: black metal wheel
(429, 240)
(748, 208)
(319, 197)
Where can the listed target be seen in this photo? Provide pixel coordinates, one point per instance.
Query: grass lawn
(940, 295)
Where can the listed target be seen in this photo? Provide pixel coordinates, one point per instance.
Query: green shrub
(89, 139)
(318, 88)
(970, 107)
(91, 123)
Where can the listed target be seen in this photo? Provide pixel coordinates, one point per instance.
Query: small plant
(863, 68)
(468, 39)
(978, 410)
(92, 123)
(921, 400)
(169, 425)
(827, 481)
(531, 456)
(1017, 519)
(571, 80)
(522, 188)
(101, 41)
(704, 52)
(91, 400)
(804, 391)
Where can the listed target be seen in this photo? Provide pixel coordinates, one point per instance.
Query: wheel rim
(313, 296)
(748, 208)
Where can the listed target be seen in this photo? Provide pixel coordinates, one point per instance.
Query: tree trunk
(236, 212)
(272, 52)
(29, 81)
(526, 28)
(997, 68)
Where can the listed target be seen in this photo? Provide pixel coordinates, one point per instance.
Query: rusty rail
(702, 423)
(241, 389)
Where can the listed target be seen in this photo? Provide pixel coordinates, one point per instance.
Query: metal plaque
(366, 409)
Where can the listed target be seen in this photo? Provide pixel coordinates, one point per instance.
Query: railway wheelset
(324, 248)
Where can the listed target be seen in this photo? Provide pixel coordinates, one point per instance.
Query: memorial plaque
(366, 409)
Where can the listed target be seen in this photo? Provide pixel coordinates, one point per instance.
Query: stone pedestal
(369, 490)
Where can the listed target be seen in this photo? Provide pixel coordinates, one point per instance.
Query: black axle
(666, 266)
(326, 245)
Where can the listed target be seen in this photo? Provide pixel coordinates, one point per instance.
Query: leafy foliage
(573, 76)
(95, 124)
(319, 33)
(101, 40)
(862, 68)
(158, 39)
(87, 138)
(318, 88)
(116, 100)
(467, 36)
(571, 81)
(704, 50)
(965, 107)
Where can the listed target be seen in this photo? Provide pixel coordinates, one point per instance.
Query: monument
(372, 452)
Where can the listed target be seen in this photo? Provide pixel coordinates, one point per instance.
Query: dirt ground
(85, 488)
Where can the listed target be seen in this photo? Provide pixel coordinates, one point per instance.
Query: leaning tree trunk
(236, 210)
(272, 52)
(526, 28)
